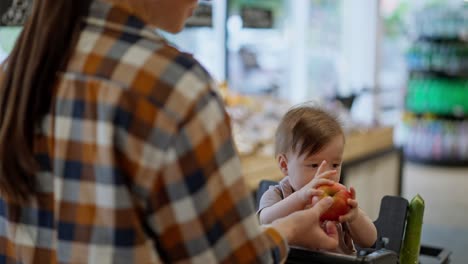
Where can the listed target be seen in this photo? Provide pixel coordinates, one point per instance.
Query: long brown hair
(26, 89)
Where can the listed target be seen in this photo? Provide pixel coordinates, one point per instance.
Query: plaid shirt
(137, 159)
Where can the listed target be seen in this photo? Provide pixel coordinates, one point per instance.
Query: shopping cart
(390, 230)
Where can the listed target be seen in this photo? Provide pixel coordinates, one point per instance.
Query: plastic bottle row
(438, 141)
(442, 22)
(443, 96)
(450, 58)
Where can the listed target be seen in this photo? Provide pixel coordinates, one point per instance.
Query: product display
(435, 127)
(442, 96)
(442, 22)
(447, 57)
(434, 140)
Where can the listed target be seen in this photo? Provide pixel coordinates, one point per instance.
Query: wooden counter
(358, 145)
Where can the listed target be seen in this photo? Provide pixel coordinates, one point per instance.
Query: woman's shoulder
(143, 64)
(180, 64)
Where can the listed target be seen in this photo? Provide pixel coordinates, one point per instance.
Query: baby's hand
(306, 193)
(320, 178)
(353, 213)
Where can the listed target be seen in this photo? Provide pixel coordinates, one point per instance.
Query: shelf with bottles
(444, 163)
(442, 22)
(448, 58)
(434, 129)
(437, 95)
(432, 140)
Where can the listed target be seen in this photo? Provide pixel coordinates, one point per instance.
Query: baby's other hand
(353, 204)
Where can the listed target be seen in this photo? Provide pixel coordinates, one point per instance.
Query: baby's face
(302, 169)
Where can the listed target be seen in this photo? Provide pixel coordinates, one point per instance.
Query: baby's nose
(333, 177)
(329, 166)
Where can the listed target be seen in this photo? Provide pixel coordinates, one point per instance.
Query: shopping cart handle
(302, 256)
(381, 256)
(441, 254)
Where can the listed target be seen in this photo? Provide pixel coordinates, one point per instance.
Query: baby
(309, 150)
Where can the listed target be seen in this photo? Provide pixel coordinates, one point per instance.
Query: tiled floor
(445, 191)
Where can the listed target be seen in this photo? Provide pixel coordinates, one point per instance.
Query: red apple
(340, 196)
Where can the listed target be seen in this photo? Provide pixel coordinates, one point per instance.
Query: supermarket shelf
(434, 116)
(442, 163)
(442, 116)
(442, 39)
(438, 73)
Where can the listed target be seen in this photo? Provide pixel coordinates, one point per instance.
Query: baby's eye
(336, 165)
(313, 165)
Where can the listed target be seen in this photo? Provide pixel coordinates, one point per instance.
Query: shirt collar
(105, 15)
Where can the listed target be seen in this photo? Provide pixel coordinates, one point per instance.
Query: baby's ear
(282, 163)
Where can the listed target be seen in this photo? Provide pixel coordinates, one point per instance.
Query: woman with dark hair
(114, 147)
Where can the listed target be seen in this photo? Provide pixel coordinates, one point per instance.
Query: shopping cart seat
(390, 227)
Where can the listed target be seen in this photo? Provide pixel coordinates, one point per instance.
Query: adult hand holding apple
(343, 202)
